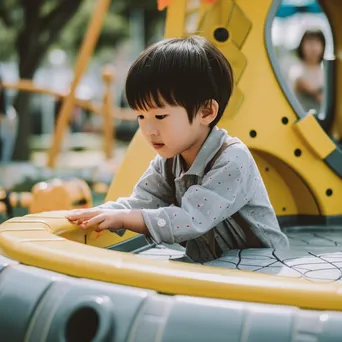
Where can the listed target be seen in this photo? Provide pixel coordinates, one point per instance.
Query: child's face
(312, 50)
(169, 131)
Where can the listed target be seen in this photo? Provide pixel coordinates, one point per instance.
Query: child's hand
(74, 212)
(100, 219)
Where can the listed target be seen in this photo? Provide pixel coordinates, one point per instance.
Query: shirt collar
(207, 152)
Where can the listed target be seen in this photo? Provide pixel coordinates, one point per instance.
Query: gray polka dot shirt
(230, 199)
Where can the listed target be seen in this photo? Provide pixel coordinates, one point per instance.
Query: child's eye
(161, 117)
(140, 117)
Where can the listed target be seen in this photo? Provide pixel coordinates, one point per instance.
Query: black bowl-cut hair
(311, 34)
(187, 72)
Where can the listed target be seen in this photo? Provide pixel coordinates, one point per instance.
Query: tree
(35, 25)
(114, 29)
(29, 28)
(152, 16)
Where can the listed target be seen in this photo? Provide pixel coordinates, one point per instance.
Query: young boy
(203, 188)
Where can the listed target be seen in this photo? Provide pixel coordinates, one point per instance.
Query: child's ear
(209, 112)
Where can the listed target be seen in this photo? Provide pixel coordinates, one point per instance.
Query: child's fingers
(94, 221)
(78, 222)
(83, 215)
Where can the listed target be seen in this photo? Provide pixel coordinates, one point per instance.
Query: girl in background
(307, 77)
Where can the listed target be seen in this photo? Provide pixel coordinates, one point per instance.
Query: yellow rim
(43, 241)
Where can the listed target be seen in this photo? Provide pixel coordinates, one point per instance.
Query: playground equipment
(55, 194)
(248, 295)
(104, 109)
(9, 200)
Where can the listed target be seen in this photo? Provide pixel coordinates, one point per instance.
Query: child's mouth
(157, 146)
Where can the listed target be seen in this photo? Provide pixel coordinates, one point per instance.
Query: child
(203, 188)
(307, 77)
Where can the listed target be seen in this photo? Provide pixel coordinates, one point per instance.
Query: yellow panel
(313, 134)
(263, 107)
(234, 105)
(217, 16)
(239, 26)
(280, 195)
(288, 193)
(236, 58)
(175, 19)
(333, 10)
(203, 11)
(225, 14)
(138, 157)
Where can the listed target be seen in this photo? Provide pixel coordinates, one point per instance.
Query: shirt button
(161, 223)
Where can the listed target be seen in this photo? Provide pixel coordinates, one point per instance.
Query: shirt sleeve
(225, 189)
(151, 192)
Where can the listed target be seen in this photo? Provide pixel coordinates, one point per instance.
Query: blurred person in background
(307, 76)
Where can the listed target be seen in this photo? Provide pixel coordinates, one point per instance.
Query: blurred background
(40, 40)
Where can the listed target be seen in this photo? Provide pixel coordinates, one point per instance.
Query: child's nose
(151, 129)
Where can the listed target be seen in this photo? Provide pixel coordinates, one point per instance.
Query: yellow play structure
(250, 295)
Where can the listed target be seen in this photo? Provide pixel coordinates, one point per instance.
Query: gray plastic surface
(316, 264)
(4, 262)
(184, 319)
(50, 307)
(144, 247)
(169, 252)
(136, 244)
(21, 288)
(315, 254)
(214, 320)
(151, 319)
(42, 306)
(115, 306)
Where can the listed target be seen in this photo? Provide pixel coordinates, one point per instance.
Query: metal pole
(84, 55)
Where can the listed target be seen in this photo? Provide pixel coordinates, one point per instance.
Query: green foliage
(30, 28)
(115, 26)
(10, 24)
(7, 37)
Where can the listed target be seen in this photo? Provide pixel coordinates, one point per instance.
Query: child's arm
(152, 191)
(224, 190)
(115, 220)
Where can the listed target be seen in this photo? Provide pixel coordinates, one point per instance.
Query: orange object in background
(59, 194)
(161, 4)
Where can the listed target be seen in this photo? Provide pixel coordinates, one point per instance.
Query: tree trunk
(22, 105)
(22, 146)
(32, 43)
(151, 20)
